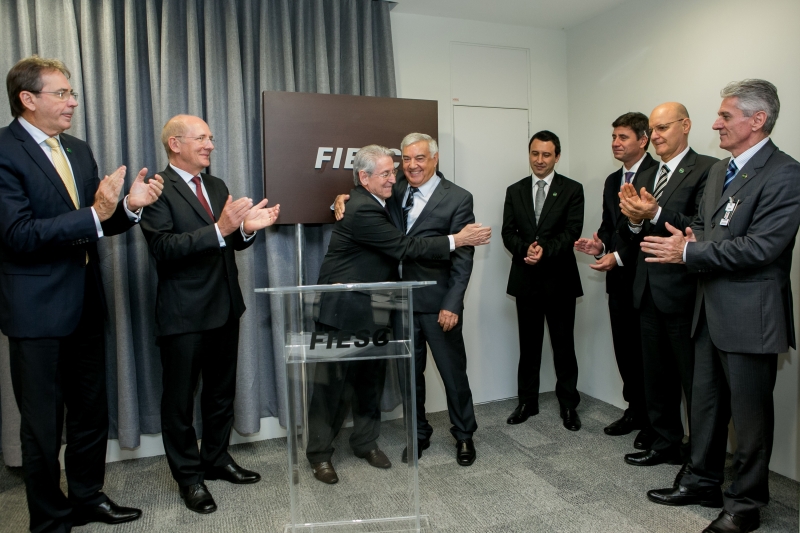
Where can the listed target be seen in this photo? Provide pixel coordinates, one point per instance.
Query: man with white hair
(740, 245)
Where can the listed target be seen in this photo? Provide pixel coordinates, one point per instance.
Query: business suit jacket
(365, 247)
(620, 278)
(560, 225)
(447, 212)
(198, 282)
(743, 268)
(44, 239)
(671, 286)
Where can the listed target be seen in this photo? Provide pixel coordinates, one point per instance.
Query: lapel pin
(69, 150)
(555, 194)
(680, 170)
(744, 176)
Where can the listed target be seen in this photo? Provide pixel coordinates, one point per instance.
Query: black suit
(52, 308)
(365, 247)
(619, 286)
(664, 295)
(548, 289)
(198, 306)
(447, 211)
(743, 319)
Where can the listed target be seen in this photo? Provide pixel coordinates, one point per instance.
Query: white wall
(422, 51)
(646, 52)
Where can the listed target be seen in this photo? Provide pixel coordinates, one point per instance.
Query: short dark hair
(546, 136)
(26, 75)
(636, 121)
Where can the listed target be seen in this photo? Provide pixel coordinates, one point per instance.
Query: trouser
(627, 338)
(185, 357)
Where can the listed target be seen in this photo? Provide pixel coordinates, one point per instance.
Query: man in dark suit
(193, 234)
(424, 203)
(366, 247)
(52, 306)
(664, 294)
(618, 258)
(741, 246)
(542, 219)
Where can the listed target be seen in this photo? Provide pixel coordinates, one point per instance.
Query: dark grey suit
(664, 295)
(448, 210)
(742, 319)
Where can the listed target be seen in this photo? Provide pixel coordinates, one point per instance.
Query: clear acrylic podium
(349, 382)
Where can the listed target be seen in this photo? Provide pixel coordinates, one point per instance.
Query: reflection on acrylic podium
(349, 378)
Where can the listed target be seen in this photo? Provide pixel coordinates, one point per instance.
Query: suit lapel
(526, 195)
(746, 175)
(395, 207)
(552, 197)
(616, 180)
(679, 174)
(37, 154)
(77, 173)
(189, 195)
(437, 196)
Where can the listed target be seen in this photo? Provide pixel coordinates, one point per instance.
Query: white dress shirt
(185, 176)
(421, 198)
(40, 137)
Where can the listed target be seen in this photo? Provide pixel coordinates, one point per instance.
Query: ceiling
(554, 14)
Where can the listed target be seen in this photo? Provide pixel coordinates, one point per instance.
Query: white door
(490, 154)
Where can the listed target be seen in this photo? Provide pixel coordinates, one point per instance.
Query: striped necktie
(62, 167)
(730, 174)
(661, 183)
(408, 206)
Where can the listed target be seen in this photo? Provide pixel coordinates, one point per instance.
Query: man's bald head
(670, 125)
(175, 127)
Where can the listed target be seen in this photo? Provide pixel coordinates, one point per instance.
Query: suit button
(537, 237)
(713, 224)
(617, 232)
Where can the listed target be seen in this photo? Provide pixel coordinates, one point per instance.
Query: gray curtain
(136, 63)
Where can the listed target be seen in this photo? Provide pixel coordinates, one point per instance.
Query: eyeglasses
(202, 139)
(385, 175)
(661, 128)
(62, 94)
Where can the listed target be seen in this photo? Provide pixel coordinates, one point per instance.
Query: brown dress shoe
(376, 458)
(324, 472)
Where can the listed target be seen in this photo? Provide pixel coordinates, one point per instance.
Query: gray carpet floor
(534, 477)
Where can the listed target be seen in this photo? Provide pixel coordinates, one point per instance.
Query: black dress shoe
(324, 472)
(198, 499)
(232, 473)
(107, 512)
(677, 496)
(653, 457)
(644, 439)
(571, 419)
(421, 445)
(682, 472)
(376, 458)
(465, 452)
(521, 413)
(623, 426)
(731, 523)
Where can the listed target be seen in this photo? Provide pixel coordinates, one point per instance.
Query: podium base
(406, 524)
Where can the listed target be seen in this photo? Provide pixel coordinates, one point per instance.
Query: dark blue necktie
(408, 206)
(629, 176)
(730, 174)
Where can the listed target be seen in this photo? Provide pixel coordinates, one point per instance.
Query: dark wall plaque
(310, 140)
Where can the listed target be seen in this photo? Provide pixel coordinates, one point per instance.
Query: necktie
(62, 167)
(200, 196)
(409, 205)
(661, 183)
(629, 176)
(539, 200)
(730, 174)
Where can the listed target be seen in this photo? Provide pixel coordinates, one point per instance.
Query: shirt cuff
(97, 223)
(452, 242)
(245, 236)
(133, 216)
(635, 228)
(619, 261)
(658, 214)
(684, 251)
(601, 253)
(221, 239)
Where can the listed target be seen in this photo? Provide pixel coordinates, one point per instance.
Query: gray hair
(366, 158)
(412, 138)
(755, 95)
